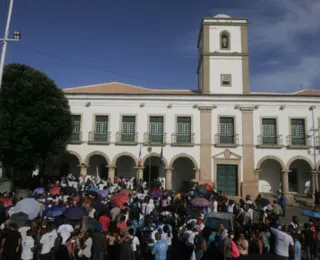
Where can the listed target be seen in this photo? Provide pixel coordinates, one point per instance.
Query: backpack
(234, 249)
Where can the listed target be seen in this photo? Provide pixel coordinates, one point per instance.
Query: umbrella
(202, 189)
(90, 223)
(67, 190)
(311, 214)
(55, 191)
(200, 202)
(29, 206)
(94, 189)
(6, 202)
(55, 211)
(19, 218)
(39, 190)
(75, 213)
(104, 193)
(155, 194)
(263, 202)
(208, 187)
(119, 199)
(126, 191)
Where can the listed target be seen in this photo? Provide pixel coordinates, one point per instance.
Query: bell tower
(223, 57)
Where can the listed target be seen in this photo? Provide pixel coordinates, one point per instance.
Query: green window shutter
(101, 124)
(269, 131)
(128, 124)
(156, 125)
(298, 132)
(76, 119)
(226, 130)
(184, 129)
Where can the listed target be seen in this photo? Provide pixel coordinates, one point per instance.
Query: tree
(35, 120)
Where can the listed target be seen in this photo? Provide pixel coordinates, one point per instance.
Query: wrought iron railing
(299, 141)
(227, 140)
(182, 139)
(75, 138)
(270, 140)
(126, 138)
(154, 138)
(98, 138)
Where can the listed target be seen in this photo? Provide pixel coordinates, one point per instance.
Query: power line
(86, 65)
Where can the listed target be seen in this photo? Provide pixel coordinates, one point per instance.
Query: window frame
(221, 80)
(222, 34)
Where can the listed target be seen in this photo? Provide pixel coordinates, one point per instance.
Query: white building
(245, 142)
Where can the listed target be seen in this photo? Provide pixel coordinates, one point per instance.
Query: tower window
(225, 40)
(226, 80)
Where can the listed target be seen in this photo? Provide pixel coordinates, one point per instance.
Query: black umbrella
(68, 190)
(19, 218)
(263, 202)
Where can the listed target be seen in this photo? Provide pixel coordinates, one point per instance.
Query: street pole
(149, 170)
(5, 41)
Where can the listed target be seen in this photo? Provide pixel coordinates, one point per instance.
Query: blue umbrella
(55, 211)
(38, 191)
(311, 214)
(75, 213)
(104, 193)
(94, 189)
(29, 206)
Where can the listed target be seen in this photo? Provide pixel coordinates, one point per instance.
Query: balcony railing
(98, 138)
(270, 141)
(318, 142)
(182, 139)
(126, 138)
(76, 138)
(155, 138)
(299, 142)
(223, 140)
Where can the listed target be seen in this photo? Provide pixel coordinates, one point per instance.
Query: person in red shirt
(104, 220)
(122, 223)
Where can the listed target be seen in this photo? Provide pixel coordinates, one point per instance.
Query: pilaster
(139, 172)
(111, 172)
(168, 184)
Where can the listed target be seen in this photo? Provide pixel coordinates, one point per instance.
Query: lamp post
(5, 40)
(149, 150)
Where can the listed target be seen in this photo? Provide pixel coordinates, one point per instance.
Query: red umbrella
(120, 199)
(208, 187)
(200, 202)
(6, 202)
(55, 191)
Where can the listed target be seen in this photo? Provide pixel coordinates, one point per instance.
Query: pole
(5, 42)
(314, 145)
(150, 170)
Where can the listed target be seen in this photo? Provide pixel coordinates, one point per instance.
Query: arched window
(225, 40)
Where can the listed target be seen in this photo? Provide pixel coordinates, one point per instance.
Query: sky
(154, 43)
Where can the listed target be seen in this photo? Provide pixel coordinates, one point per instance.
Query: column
(168, 184)
(83, 170)
(139, 172)
(111, 172)
(314, 181)
(205, 142)
(285, 181)
(256, 174)
(197, 173)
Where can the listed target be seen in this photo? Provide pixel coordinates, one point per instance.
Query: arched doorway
(69, 164)
(156, 169)
(126, 166)
(270, 176)
(183, 172)
(300, 177)
(98, 166)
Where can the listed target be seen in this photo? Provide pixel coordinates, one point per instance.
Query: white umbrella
(29, 206)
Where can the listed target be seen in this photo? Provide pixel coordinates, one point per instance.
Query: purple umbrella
(104, 193)
(55, 211)
(155, 194)
(39, 190)
(75, 213)
(200, 202)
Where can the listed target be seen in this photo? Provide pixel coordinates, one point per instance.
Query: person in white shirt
(47, 241)
(150, 207)
(23, 230)
(215, 206)
(283, 242)
(135, 242)
(27, 245)
(65, 231)
(86, 249)
(248, 214)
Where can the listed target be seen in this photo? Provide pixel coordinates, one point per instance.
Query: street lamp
(6, 39)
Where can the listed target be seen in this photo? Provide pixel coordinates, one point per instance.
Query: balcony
(182, 139)
(226, 141)
(155, 139)
(318, 142)
(274, 142)
(75, 138)
(126, 138)
(299, 143)
(99, 138)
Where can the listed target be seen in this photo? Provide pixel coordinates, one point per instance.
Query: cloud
(284, 43)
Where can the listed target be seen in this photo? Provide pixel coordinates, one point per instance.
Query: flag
(140, 158)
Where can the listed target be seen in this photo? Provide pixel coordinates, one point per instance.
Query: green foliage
(35, 119)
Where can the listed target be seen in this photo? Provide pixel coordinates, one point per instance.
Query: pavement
(295, 211)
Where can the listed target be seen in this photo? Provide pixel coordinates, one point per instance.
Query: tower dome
(222, 16)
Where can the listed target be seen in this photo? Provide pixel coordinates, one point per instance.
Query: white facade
(211, 153)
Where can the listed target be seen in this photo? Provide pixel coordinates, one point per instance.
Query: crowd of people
(90, 218)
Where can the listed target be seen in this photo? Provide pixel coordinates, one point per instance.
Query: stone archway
(185, 156)
(126, 164)
(183, 170)
(153, 166)
(76, 155)
(300, 176)
(164, 160)
(270, 157)
(97, 163)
